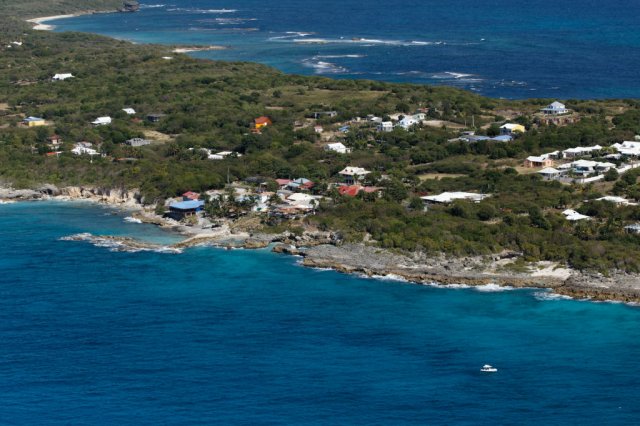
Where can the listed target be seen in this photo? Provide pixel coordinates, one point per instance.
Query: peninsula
(432, 184)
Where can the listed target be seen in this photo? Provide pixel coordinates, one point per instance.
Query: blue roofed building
(184, 209)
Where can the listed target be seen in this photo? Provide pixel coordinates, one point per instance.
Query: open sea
(499, 48)
(97, 337)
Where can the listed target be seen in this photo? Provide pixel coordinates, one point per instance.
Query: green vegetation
(212, 105)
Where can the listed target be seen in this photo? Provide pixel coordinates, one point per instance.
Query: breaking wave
(120, 244)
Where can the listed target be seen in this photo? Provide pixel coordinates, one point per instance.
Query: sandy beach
(40, 23)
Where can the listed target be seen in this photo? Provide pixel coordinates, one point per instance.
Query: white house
(448, 197)
(337, 147)
(318, 129)
(573, 215)
(129, 111)
(621, 201)
(408, 122)
(220, 155)
(352, 175)
(302, 200)
(556, 108)
(586, 167)
(101, 121)
(385, 126)
(549, 173)
(580, 151)
(629, 148)
(84, 148)
(60, 77)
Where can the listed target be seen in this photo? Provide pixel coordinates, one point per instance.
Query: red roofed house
(353, 190)
(261, 122)
(190, 195)
(283, 182)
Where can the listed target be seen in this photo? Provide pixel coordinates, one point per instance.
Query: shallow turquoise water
(500, 48)
(212, 336)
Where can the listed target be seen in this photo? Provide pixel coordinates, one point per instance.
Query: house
(61, 77)
(586, 167)
(261, 122)
(353, 190)
(304, 201)
(344, 129)
(555, 108)
(541, 161)
(282, 183)
(511, 129)
(373, 119)
(628, 148)
(449, 197)
(385, 126)
(502, 138)
(54, 141)
(129, 111)
(337, 147)
(34, 121)
(154, 118)
(184, 209)
(101, 121)
(300, 184)
(135, 142)
(222, 155)
(408, 122)
(318, 129)
(572, 215)
(320, 114)
(549, 173)
(620, 201)
(190, 195)
(633, 229)
(580, 151)
(84, 148)
(352, 175)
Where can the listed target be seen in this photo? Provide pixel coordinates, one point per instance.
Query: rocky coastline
(320, 249)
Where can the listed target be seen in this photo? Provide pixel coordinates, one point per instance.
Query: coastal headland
(360, 179)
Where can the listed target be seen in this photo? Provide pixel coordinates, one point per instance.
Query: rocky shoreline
(325, 250)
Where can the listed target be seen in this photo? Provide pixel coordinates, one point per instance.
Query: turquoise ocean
(209, 336)
(500, 48)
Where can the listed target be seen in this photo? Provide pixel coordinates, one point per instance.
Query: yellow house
(511, 128)
(34, 121)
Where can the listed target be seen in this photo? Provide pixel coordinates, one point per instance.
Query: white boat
(488, 369)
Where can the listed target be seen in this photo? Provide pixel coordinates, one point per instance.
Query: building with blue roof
(184, 209)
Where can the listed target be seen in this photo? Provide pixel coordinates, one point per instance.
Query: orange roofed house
(261, 122)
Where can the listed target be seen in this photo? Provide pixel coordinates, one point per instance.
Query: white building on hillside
(337, 147)
(448, 197)
(629, 148)
(556, 108)
(101, 121)
(352, 175)
(385, 126)
(61, 77)
(580, 151)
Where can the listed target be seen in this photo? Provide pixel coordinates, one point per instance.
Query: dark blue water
(91, 336)
(500, 48)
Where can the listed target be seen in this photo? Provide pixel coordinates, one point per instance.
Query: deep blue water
(91, 336)
(499, 48)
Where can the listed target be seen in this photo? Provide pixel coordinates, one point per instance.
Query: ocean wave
(120, 244)
(352, 56)
(323, 67)
(152, 6)
(194, 10)
(548, 296)
(448, 286)
(302, 38)
(132, 219)
(492, 288)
